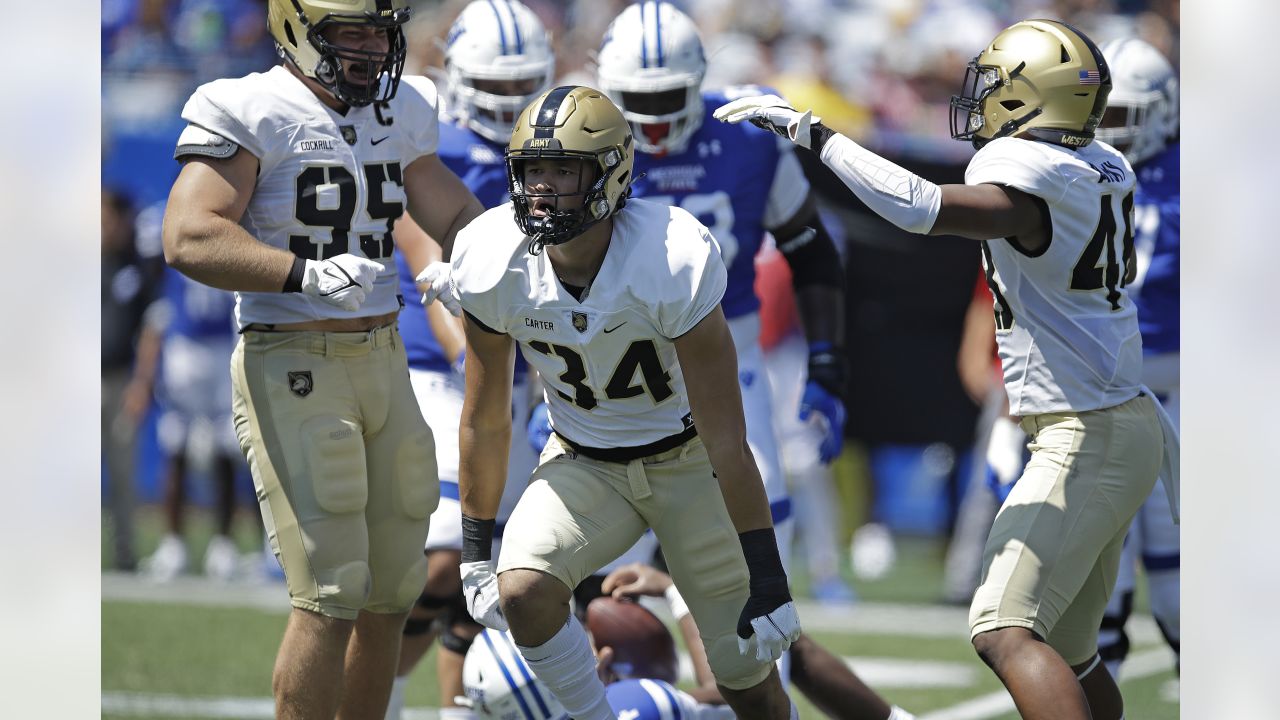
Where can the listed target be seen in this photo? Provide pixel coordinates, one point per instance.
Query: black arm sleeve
(812, 255)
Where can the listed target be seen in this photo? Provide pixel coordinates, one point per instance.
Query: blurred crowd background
(881, 71)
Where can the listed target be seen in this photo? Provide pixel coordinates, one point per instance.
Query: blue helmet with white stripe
(651, 65)
(497, 59)
(648, 700)
(499, 684)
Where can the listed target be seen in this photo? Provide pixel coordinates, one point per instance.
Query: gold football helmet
(571, 121)
(298, 28)
(1043, 78)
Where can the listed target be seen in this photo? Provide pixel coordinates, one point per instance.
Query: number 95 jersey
(1066, 327)
(327, 183)
(607, 361)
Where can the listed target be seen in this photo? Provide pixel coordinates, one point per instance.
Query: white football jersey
(328, 183)
(1066, 327)
(608, 362)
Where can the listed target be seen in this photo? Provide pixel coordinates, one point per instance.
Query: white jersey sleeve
(700, 273)
(482, 258)
(1018, 166)
(789, 189)
(214, 107)
(1066, 327)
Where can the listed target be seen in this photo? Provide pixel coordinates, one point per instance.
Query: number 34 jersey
(608, 362)
(328, 183)
(1066, 327)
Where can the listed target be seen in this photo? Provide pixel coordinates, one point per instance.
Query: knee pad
(349, 592)
(731, 668)
(457, 642)
(416, 626)
(407, 592)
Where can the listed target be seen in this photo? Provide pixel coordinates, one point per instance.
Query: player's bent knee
(532, 599)
(732, 669)
(995, 645)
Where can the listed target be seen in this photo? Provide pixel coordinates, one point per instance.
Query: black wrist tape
(819, 134)
(760, 548)
(827, 368)
(477, 539)
(293, 283)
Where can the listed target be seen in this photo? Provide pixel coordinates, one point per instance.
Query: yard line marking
(1138, 665)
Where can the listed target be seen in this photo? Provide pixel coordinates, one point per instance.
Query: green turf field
(194, 649)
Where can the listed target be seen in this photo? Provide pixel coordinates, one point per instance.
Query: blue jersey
(1158, 217)
(723, 177)
(650, 700)
(195, 310)
(483, 170)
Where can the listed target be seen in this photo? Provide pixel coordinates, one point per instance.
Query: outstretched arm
(977, 212)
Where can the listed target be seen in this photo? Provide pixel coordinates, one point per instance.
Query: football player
(741, 183)
(290, 185)
(498, 58)
(617, 305)
(499, 685)
(1053, 210)
(1141, 121)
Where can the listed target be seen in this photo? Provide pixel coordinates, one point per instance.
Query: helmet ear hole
(1065, 56)
(288, 33)
(1011, 105)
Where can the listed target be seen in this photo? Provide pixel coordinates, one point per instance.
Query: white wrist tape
(897, 195)
(675, 602)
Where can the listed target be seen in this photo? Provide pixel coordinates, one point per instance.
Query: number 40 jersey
(328, 183)
(1066, 327)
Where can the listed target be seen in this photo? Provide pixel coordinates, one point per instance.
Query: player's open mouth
(541, 208)
(359, 72)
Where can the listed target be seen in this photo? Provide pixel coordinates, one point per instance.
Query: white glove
(344, 281)
(439, 284)
(480, 587)
(773, 634)
(771, 113)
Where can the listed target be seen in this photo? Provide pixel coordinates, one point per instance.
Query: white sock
(396, 705)
(456, 713)
(897, 713)
(566, 666)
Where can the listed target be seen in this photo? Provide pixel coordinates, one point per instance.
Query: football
(642, 645)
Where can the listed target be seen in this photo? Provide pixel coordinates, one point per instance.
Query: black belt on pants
(627, 454)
